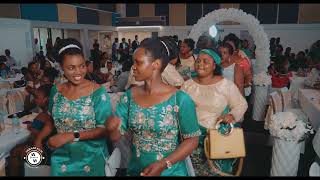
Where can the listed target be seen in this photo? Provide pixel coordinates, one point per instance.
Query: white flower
(176, 108)
(103, 97)
(125, 99)
(86, 109)
(262, 79)
(88, 100)
(286, 126)
(169, 108)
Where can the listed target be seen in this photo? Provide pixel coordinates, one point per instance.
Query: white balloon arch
(254, 28)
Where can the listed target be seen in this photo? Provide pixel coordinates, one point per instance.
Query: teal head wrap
(212, 54)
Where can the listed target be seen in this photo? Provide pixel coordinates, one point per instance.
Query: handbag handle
(227, 132)
(214, 167)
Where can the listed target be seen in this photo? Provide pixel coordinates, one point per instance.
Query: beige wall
(146, 10)
(229, 5)
(309, 13)
(105, 18)
(67, 14)
(10, 11)
(177, 14)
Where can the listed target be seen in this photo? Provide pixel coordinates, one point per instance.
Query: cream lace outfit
(211, 100)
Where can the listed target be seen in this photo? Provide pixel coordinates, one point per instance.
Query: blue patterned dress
(82, 158)
(155, 130)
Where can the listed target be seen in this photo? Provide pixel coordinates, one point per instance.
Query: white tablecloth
(9, 139)
(296, 83)
(12, 79)
(309, 100)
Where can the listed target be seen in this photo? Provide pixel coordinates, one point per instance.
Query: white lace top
(211, 100)
(189, 62)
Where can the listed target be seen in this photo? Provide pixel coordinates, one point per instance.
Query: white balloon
(213, 31)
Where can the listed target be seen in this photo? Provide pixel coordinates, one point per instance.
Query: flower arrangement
(262, 79)
(286, 126)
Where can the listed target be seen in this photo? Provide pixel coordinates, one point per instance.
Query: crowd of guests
(284, 64)
(171, 88)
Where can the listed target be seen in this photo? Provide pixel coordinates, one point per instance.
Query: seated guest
(45, 65)
(3, 59)
(271, 70)
(281, 78)
(48, 78)
(111, 71)
(4, 70)
(34, 75)
(104, 59)
(10, 60)
(39, 135)
(314, 54)
(120, 84)
(91, 76)
(24, 72)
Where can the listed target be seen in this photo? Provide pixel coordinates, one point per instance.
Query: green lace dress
(82, 158)
(156, 130)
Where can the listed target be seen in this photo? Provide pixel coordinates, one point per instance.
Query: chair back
(3, 103)
(276, 102)
(286, 98)
(2, 166)
(314, 169)
(16, 99)
(275, 105)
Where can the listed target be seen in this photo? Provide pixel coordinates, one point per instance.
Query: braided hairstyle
(233, 38)
(190, 42)
(156, 49)
(66, 47)
(172, 46)
(229, 47)
(45, 89)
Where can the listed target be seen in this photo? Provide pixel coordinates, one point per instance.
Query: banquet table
(11, 80)
(9, 139)
(309, 100)
(296, 82)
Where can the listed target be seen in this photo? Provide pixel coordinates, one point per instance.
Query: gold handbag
(225, 146)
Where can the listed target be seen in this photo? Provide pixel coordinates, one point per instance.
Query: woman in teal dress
(79, 109)
(156, 114)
